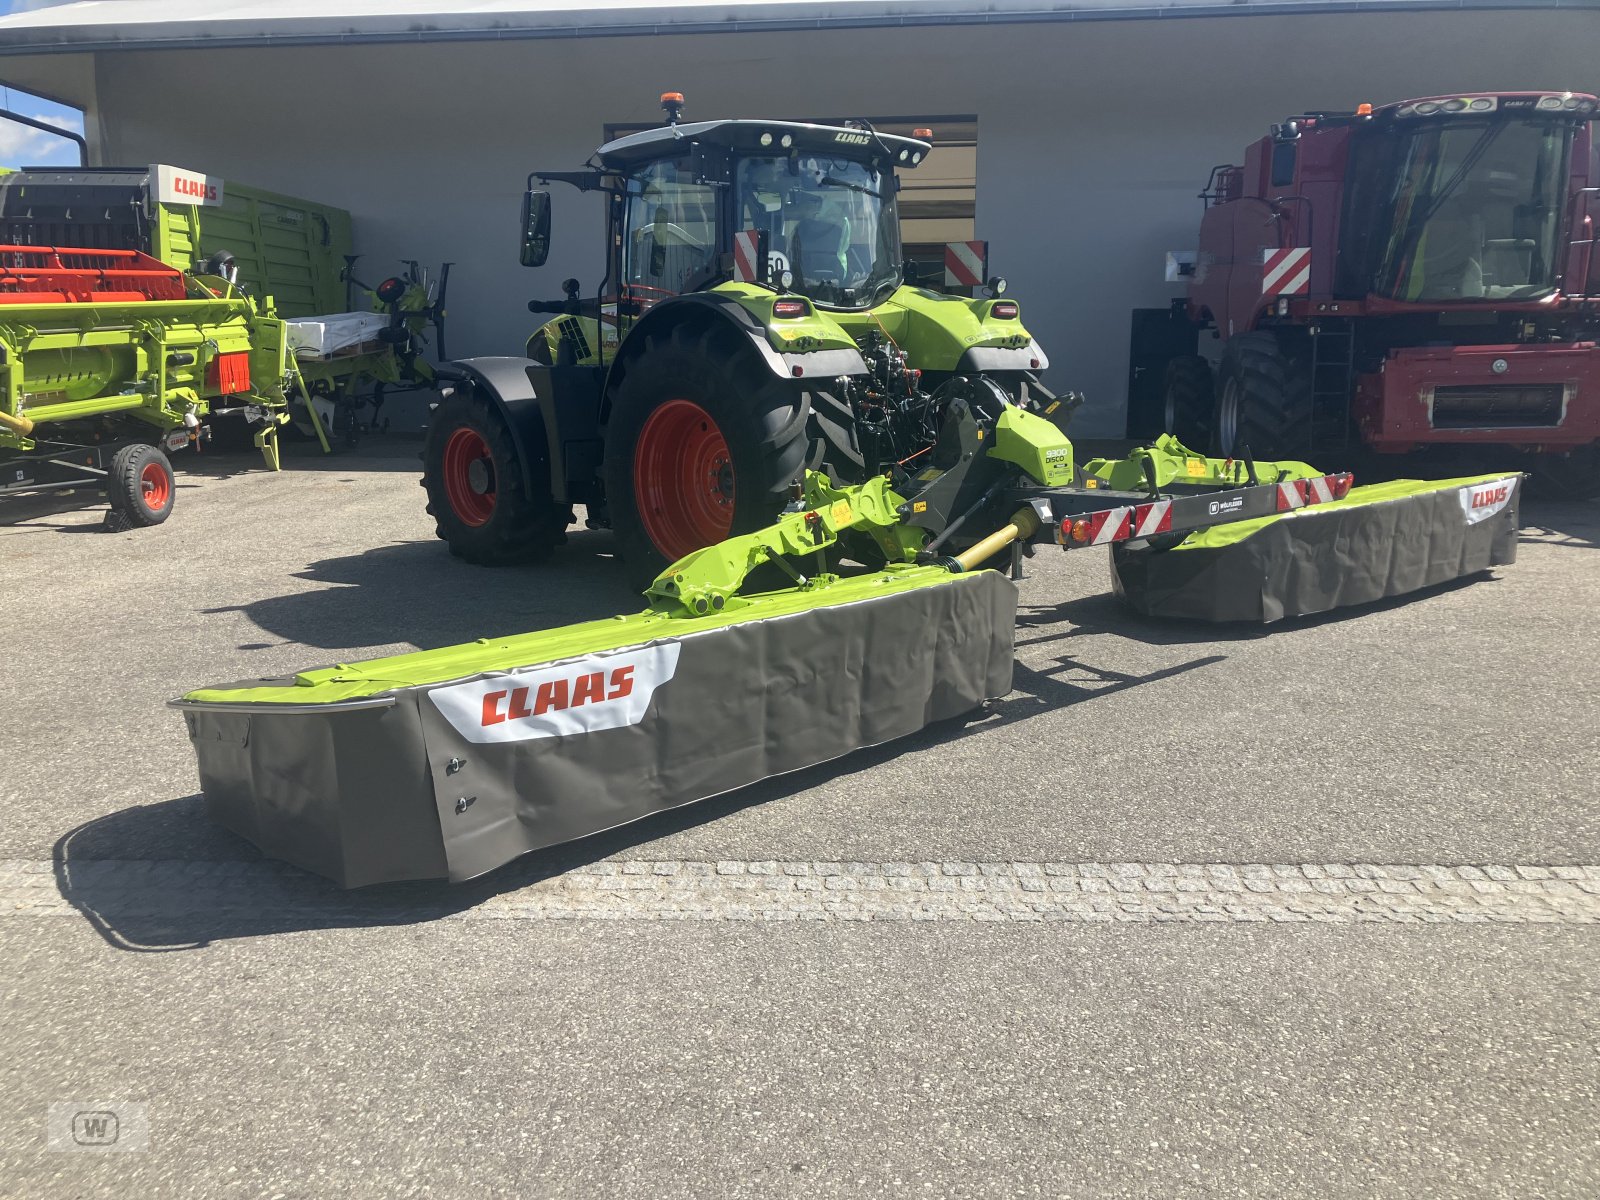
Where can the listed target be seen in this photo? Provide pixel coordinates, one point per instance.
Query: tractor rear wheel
(1265, 400)
(702, 443)
(1189, 401)
(479, 499)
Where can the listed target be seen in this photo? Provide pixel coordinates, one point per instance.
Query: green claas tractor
(754, 321)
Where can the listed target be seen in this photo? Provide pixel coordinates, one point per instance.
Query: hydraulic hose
(20, 425)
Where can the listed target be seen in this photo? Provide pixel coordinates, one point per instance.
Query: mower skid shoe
(455, 775)
(1384, 540)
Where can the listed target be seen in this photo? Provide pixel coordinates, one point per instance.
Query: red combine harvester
(1417, 275)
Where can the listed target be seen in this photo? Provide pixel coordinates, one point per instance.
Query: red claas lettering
(1489, 496)
(621, 683)
(491, 708)
(552, 695)
(590, 687)
(555, 695)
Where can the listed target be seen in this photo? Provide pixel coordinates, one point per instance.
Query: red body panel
(1247, 216)
(229, 374)
(1395, 407)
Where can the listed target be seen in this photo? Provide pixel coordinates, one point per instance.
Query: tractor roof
(746, 135)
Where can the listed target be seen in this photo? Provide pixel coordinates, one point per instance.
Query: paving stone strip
(639, 889)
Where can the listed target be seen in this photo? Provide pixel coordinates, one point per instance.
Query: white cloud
(22, 145)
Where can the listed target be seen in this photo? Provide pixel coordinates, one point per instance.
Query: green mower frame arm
(707, 580)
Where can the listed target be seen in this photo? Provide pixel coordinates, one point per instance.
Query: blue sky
(22, 145)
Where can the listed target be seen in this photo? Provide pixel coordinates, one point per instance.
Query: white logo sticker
(1481, 501)
(608, 691)
(174, 185)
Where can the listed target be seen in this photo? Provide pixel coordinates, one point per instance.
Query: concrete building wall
(1094, 138)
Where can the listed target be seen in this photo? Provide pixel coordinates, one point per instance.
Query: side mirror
(535, 228)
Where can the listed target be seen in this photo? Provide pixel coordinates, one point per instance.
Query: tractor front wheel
(1265, 400)
(481, 504)
(140, 487)
(703, 443)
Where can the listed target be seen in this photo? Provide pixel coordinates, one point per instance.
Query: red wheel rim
(683, 479)
(155, 486)
(468, 472)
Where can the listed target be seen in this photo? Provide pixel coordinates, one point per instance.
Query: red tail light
(1005, 310)
(1339, 485)
(789, 309)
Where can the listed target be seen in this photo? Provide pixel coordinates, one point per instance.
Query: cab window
(671, 232)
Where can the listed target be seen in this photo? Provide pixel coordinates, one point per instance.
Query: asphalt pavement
(286, 1040)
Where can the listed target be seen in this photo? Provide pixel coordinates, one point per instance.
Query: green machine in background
(144, 309)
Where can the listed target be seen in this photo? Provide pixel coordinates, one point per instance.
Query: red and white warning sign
(174, 185)
(965, 263)
(747, 256)
(1322, 489)
(1480, 501)
(1151, 519)
(1286, 272)
(605, 691)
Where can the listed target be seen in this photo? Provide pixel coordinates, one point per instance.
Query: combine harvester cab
(449, 763)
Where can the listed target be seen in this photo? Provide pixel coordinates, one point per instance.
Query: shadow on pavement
(1104, 613)
(1561, 523)
(416, 593)
(160, 877)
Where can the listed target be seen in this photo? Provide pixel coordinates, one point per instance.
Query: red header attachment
(65, 275)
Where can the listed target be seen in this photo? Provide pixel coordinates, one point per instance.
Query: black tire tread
(1189, 391)
(125, 489)
(523, 529)
(745, 398)
(1275, 401)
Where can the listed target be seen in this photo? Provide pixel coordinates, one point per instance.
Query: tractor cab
(798, 208)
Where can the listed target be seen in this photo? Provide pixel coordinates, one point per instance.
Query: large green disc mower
(448, 763)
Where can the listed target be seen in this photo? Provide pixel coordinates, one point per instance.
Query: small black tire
(1189, 401)
(1264, 399)
(508, 519)
(140, 486)
(761, 420)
